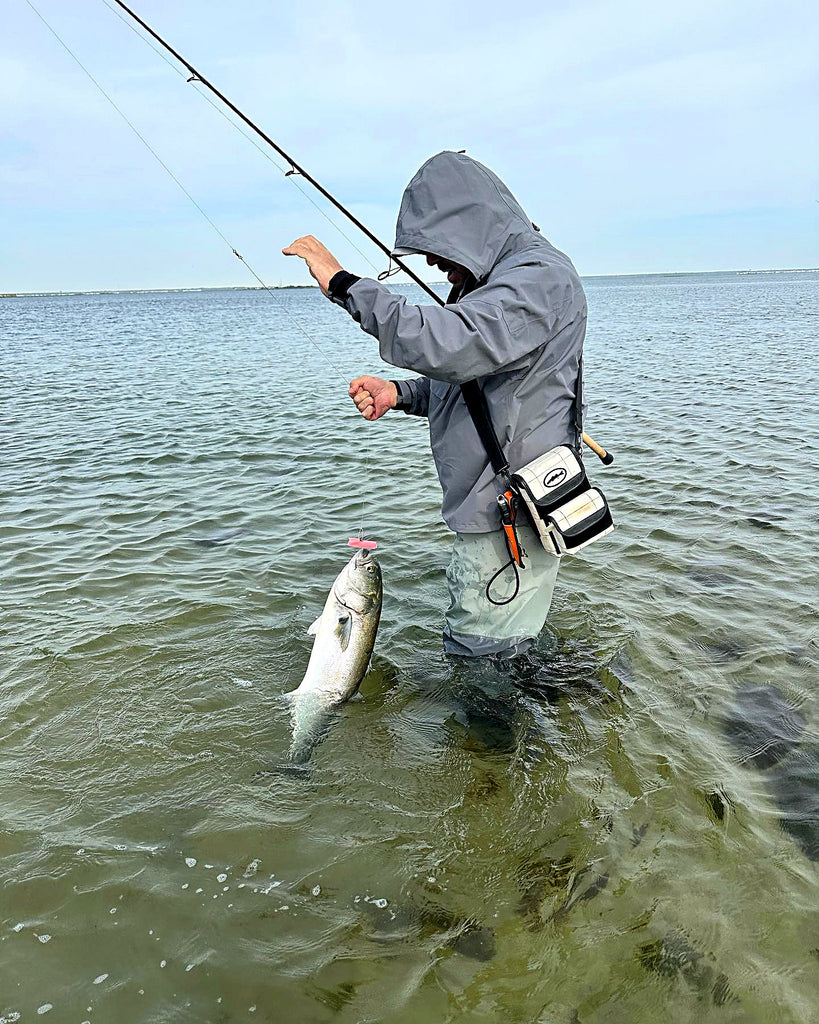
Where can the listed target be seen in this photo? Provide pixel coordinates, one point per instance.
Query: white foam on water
(45, 1008)
(191, 862)
(221, 877)
(99, 979)
(268, 888)
(316, 890)
(43, 938)
(377, 902)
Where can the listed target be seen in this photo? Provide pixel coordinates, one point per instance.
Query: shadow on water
(766, 731)
(423, 918)
(506, 706)
(510, 718)
(219, 538)
(674, 957)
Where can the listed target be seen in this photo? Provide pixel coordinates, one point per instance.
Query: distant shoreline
(289, 287)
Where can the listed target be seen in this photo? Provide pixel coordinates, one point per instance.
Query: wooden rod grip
(605, 457)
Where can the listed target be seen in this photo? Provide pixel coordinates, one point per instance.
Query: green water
(180, 475)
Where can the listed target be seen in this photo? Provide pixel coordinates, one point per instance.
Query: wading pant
(475, 626)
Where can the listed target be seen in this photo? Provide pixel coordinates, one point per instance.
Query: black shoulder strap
(479, 411)
(578, 403)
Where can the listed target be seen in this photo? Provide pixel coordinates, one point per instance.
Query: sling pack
(565, 510)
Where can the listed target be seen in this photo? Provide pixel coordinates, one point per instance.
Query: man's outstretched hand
(373, 396)
(321, 263)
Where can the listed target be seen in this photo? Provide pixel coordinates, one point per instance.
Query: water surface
(590, 844)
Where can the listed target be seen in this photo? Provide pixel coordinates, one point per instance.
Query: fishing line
(162, 164)
(265, 153)
(196, 76)
(295, 168)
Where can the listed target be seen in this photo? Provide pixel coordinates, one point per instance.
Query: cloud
(604, 118)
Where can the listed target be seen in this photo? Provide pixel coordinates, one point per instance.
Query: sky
(641, 137)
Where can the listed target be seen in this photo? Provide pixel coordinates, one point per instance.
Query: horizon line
(282, 287)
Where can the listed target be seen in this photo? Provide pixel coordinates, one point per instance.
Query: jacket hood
(456, 208)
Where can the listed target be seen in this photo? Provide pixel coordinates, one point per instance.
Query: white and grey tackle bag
(566, 511)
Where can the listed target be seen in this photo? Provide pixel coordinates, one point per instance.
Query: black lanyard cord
(508, 600)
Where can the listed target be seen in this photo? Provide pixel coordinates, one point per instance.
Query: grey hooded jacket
(519, 331)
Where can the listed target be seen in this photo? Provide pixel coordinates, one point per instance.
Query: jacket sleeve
(454, 343)
(414, 394)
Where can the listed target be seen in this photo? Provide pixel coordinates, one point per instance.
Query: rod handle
(605, 457)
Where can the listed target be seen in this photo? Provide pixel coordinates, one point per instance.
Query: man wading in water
(515, 320)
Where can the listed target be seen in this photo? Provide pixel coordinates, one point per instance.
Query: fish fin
(313, 628)
(343, 630)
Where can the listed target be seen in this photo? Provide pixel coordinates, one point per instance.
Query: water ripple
(584, 841)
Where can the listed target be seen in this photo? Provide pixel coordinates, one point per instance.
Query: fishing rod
(295, 168)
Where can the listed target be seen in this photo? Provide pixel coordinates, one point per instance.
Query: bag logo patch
(557, 476)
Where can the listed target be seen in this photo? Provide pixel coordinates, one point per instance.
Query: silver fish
(344, 639)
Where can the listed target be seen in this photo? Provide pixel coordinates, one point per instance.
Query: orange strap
(508, 521)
